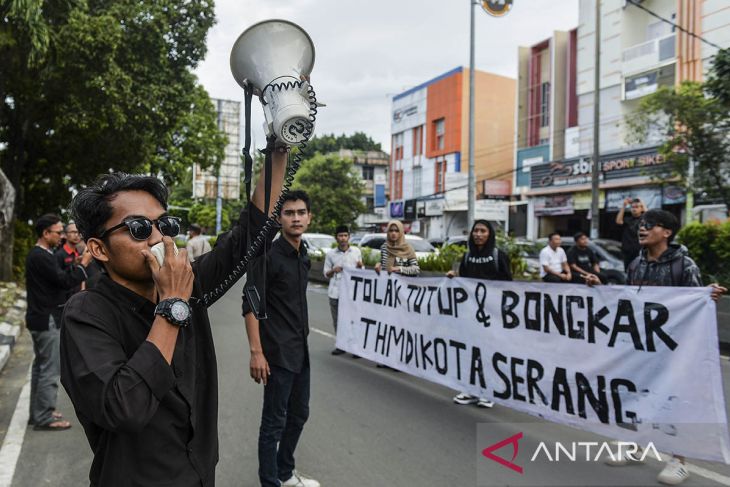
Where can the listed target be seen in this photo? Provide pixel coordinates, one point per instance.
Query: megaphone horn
(271, 58)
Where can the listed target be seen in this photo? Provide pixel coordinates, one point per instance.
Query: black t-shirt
(583, 258)
(630, 238)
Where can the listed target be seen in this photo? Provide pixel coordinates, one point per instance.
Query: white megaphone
(272, 57)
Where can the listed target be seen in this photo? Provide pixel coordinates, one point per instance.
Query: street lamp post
(471, 194)
(496, 8)
(596, 167)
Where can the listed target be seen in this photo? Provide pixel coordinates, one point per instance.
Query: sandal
(55, 416)
(53, 426)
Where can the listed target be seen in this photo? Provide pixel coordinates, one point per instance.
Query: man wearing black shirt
(67, 255)
(47, 285)
(630, 238)
(137, 353)
(582, 260)
(279, 353)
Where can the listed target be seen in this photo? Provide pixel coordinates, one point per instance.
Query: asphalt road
(368, 426)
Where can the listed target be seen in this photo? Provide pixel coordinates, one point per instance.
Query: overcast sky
(368, 51)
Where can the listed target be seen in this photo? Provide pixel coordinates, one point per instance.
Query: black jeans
(552, 278)
(286, 409)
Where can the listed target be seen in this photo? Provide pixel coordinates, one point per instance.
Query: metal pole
(219, 195)
(690, 202)
(595, 217)
(471, 196)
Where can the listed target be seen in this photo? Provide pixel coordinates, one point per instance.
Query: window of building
(440, 176)
(368, 173)
(398, 184)
(398, 146)
(370, 204)
(417, 181)
(418, 140)
(439, 129)
(545, 104)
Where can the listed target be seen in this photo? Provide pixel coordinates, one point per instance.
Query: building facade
(429, 156)
(372, 167)
(639, 54)
(205, 182)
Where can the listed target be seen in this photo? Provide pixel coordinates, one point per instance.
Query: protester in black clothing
(661, 263)
(279, 350)
(629, 240)
(138, 360)
(582, 260)
(47, 285)
(482, 260)
(68, 254)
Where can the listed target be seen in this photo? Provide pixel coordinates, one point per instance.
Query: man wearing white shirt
(343, 257)
(553, 261)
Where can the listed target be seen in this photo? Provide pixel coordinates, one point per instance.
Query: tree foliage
(693, 121)
(110, 88)
(204, 215)
(325, 144)
(334, 189)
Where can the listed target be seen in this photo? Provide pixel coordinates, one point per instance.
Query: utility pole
(471, 194)
(596, 167)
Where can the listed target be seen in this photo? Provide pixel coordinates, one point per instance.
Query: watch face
(180, 311)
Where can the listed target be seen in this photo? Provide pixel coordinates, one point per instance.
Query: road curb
(12, 308)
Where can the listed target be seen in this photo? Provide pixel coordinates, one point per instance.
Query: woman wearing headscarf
(483, 260)
(397, 255)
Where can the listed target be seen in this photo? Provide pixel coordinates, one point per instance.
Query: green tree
(693, 121)
(334, 190)
(93, 86)
(204, 215)
(327, 143)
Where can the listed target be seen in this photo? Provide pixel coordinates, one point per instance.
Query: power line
(653, 14)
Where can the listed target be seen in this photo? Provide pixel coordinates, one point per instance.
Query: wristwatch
(175, 310)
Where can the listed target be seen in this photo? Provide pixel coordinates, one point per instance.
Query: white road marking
(10, 450)
(324, 333)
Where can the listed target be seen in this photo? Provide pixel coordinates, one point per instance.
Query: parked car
(376, 240)
(608, 252)
(319, 242)
(436, 242)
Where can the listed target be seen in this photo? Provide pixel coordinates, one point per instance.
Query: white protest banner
(632, 364)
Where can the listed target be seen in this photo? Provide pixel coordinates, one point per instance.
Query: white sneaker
(465, 399)
(299, 480)
(674, 473)
(626, 458)
(484, 403)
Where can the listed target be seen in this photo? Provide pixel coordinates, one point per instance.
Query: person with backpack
(661, 262)
(482, 260)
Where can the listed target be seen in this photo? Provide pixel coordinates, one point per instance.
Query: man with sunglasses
(661, 262)
(47, 285)
(137, 354)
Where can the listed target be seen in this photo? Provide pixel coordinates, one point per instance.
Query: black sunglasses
(140, 228)
(649, 225)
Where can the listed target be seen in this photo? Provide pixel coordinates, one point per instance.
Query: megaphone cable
(293, 164)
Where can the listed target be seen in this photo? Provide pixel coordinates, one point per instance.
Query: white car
(319, 242)
(376, 240)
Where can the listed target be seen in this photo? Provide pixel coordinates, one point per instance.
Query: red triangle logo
(514, 441)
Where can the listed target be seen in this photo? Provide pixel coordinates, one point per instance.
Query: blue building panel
(533, 155)
(379, 195)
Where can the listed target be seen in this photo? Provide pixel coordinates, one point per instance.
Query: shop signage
(573, 172)
(559, 204)
(396, 209)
